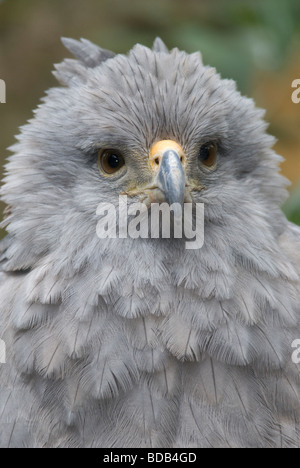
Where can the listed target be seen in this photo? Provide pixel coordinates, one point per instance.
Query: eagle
(142, 342)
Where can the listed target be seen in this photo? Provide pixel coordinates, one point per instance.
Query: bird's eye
(208, 154)
(110, 161)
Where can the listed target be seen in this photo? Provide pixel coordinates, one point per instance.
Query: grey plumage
(134, 342)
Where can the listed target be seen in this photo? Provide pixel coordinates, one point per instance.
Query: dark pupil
(113, 160)
(204, 153)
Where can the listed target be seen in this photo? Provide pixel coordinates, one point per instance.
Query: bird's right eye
(110, 161)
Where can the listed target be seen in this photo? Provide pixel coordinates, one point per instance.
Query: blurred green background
(256, 42)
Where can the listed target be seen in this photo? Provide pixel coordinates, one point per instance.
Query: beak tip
(171, 178)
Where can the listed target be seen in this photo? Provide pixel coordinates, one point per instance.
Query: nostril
(156, 160)
(181, 159)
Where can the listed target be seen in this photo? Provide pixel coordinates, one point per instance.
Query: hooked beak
(167, 160)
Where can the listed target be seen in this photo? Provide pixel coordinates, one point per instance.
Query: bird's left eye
(208, 154)
(110, 161)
